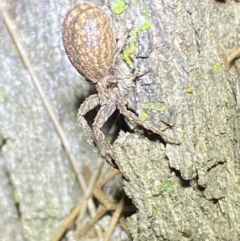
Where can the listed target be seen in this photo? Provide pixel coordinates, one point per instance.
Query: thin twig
(90, 187)
(110, 176)
(103, 198)
(48, 107)
(89, 224)
(67, 223)
(108, 206)
(122, 222)
(114, 220)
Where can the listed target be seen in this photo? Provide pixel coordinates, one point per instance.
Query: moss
(143, 116)
(118, 6)
(217, 68)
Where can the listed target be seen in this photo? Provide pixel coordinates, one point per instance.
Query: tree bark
(188, 191)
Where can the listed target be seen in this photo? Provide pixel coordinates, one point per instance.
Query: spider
(91, 47)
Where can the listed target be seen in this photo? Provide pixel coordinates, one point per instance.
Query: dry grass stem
(102, 198)
(67, 223)
(88, 192)
(89, 224)
(114, 220)
(122, 222)
(109, 177)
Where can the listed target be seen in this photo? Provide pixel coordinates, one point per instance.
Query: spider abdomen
(89, 40)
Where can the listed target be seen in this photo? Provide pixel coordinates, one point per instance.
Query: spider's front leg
(90, 103)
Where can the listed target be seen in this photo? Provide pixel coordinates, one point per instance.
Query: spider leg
(129, 114)
(90, 103)
(122, 41)
(102, 116)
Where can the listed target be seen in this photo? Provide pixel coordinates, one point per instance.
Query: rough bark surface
(188, 191)
(182, 192)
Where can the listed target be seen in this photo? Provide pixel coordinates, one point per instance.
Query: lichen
(161, 107)
(146, 25)
(181, 132)
(217, 68)
(132, 47)
(168, 186)
(146, 14)
(143, 116)
(148, 105)
(127, 53)
(155, 106)
(16, 197)
(118, 6)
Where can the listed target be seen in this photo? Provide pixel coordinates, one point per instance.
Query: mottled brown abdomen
(89, 41)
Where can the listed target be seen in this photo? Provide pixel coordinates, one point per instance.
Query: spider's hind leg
(90, 103)
(132, 116)
(102, 116)
(104, 113)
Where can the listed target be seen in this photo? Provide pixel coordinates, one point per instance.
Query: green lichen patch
(148, 105)
(146, 14)
(168, 186)
(161, 107)
(143, 116)
(16, 197)
(146, 25)
(217, 68)
(127, 53)
(181, 132)
(132, 48)
(162, 187)
(118, 6)
(153, 106)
